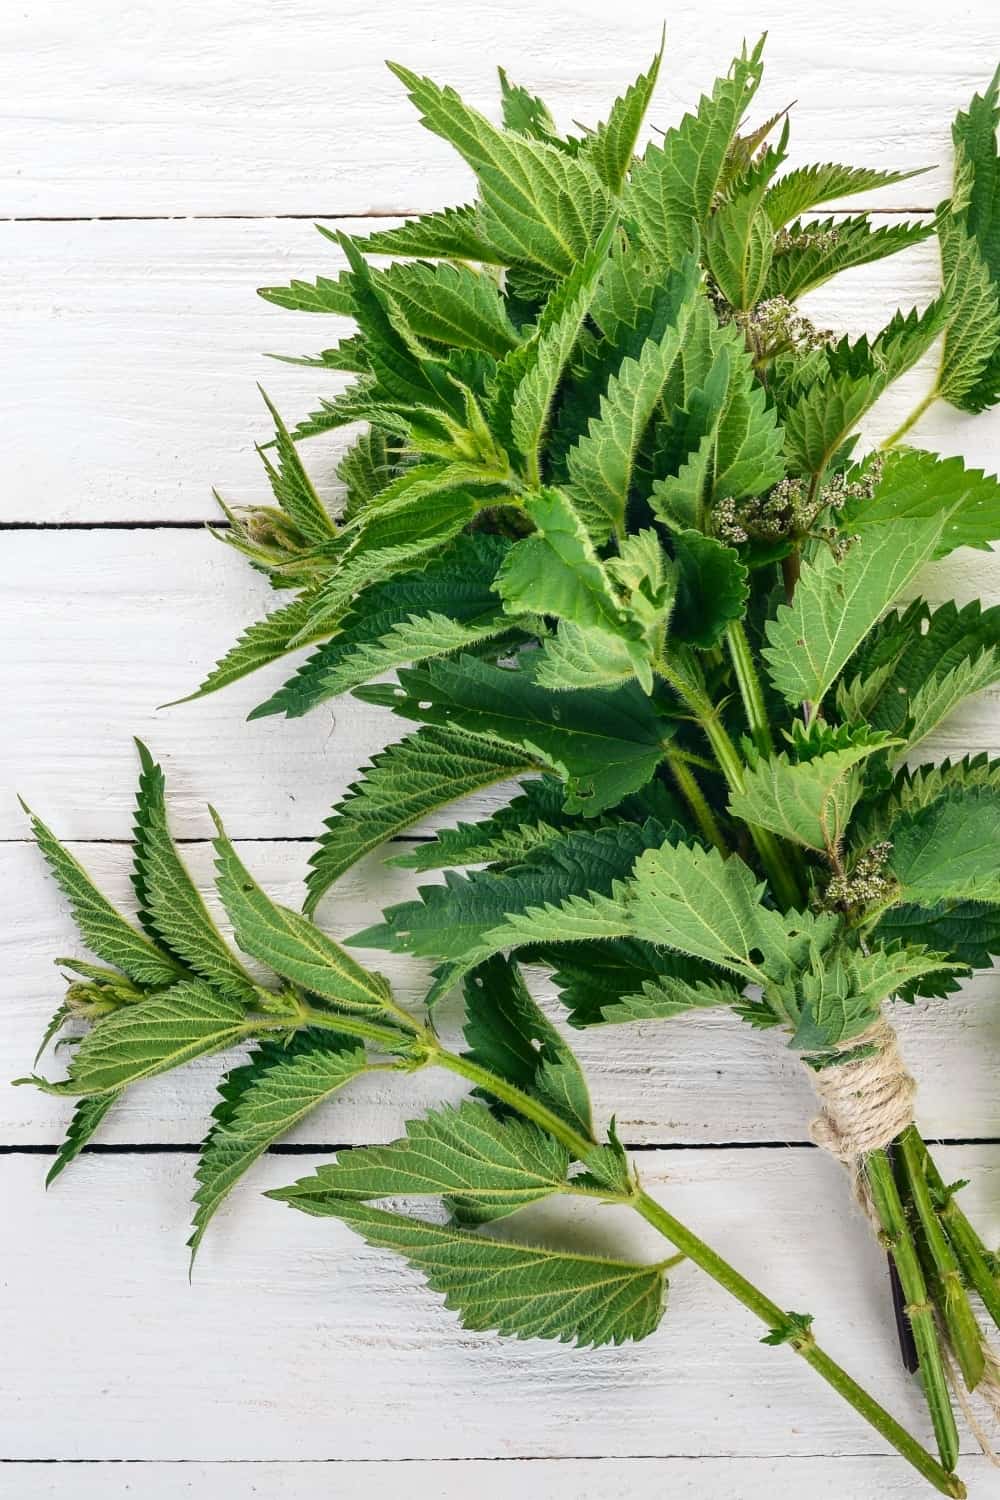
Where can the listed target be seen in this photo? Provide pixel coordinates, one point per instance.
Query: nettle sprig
(606, 523)
(317, 1020)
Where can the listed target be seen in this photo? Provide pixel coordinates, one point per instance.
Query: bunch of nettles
(606, 523)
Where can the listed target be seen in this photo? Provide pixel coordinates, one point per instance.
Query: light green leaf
(293, 489)
(261, 1100)
(171, 908)
(610, 149)
(539, 205)
(813, 251)
(153, 1036)
(524, 112)
(451, 304)
(527, 380)
(836, 604)
(967, 375)
(522, 1290)
(325, 295)
(485, 1168)
(739, 249)
(667, 996)
(809, 801)
(290, 944)
(602, 464)
(671, 192)
(917, 486)
(807, 187)
(103, 929)
(262, 642)
(452, 233)
(403, 784)
(88, 1113)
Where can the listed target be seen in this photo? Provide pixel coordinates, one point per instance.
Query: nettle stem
(684, 1240)
(919, 1308)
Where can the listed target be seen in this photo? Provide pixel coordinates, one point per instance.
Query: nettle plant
(606, 523)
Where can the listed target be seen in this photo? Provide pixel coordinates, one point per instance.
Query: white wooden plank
(830, 1477)
(265, 106)
(141, 344)
(110, 623)
(295, 1341)
(704, 1078)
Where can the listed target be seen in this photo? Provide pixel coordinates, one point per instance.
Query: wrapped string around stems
(867, 1104)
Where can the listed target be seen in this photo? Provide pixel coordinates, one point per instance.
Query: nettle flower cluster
(606, 523)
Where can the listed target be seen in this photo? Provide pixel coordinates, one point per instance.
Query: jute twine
(866, 1104)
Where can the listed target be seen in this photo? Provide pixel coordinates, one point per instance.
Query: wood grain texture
(702, 1078)
(241, 106)
(872, 1477)
(140, 345)
(296, 1341)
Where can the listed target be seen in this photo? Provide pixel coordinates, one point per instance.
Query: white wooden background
(159, 162)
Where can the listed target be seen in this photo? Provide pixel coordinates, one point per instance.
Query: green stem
(953, 1302)
(694, 796)
(804, 1344)
(912, 419)
(749, 684)
(919, 1309)
(389, 1037)
(713, 1264)
(973, 1255)
(782, 877)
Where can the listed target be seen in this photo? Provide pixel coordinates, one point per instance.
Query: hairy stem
(749, 684)
(688, 786)
(974, 1258)
(690, 1245)
(911, 420)
(919, 1309)
(953, 1303)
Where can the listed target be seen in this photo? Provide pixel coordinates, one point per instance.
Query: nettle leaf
(595, 977)
(946, 851)
(451, 233)
(171, 907)
(712, 588)
(917, 486)
(739, 247)
(288, 943)
(457, 585)
(812, 251)
(605, 744)
(260, 1101)
(292, 487)
(836, 603)
(809, 801)
(508, 1033)
(843, 993)
(672, 191)
(403, 784)
(693, 900)
(325, 295)
(457, 919)
(807, 187)
(664, 998)
(153, 1036)
(262, 642)
(525, 112)
(103, 929)
(610, 149)
(539, 205)
(527, 380)
(602, 464)
(451, 304)
(530, 820)
(369, 465)
(484, 1167)
(88, 1113)
(968, 930)
(969, 371)
(522, 1290)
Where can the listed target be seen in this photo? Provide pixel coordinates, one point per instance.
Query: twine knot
(866, 1103)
